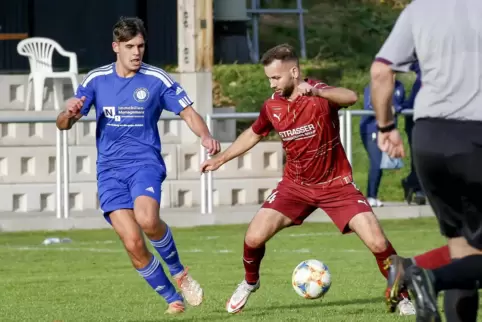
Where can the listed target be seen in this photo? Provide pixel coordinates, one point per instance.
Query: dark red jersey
(309, 128)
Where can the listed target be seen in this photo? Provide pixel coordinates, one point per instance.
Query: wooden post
(205, 42)
(14, 36)
(195, 35)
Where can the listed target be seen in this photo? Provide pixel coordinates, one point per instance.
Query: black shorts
(448, 160)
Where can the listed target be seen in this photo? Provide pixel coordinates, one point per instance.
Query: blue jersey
(409, 103)
(368, 123)
(127, 112)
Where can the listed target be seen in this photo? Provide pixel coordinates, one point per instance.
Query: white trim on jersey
(185, 102)
(158, 75)
(157, 72)
(105, 67)
(93, 75)
(98, 69)
(160, 70)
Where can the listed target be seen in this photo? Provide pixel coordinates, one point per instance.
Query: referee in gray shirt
(445, 36)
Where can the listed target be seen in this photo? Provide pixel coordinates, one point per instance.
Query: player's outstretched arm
(199, 127)
(382, 85)
(67, 118)
(338, 95)
(242, 144)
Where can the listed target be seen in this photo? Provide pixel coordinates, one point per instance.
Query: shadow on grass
(221, 315)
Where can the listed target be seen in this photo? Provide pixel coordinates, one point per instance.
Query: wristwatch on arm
(387, 128)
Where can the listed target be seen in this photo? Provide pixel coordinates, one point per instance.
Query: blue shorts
(119, 187)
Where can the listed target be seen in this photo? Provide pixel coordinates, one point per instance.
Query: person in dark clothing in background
(368, 133)
(447, 143)
(411, 185)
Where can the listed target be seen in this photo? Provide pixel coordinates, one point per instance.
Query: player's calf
(146, 211)
(367, 227)
(157, 279)
(166, 247)
(160, 235)
(146, 264)
(264, 225)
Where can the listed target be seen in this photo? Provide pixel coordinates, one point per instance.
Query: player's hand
(211, 164)
(391, 143)
(74, 105)
(212, 146)
(305, 89)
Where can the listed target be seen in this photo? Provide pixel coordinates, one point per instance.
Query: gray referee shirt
(446, 38)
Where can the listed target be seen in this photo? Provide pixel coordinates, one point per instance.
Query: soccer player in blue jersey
(129, 97)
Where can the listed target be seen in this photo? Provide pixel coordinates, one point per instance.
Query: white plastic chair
(39, 51)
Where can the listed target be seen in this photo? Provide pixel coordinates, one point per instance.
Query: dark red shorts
(341, 202)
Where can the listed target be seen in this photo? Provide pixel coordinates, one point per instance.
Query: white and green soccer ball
(311, 279)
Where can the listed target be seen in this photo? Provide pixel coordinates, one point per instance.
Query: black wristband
(387, 128)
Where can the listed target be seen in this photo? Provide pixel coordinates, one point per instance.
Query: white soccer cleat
(176, 307)
(240, 296)
(375, 202)
(190, 288)
(405, 307)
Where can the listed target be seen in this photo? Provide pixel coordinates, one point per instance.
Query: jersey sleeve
(86, 88)
(321, 85)
(262, 126)
(175, 99)
(398, 51)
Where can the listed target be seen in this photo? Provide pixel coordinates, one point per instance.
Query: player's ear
(115, 47)
(295, 72)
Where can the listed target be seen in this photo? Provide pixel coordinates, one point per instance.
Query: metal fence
(206, 180)
(255, 11)
(62, 156)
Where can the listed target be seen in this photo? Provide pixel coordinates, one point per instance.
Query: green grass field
(91, 279)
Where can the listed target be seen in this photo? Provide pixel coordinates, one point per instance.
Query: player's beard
(288, 90)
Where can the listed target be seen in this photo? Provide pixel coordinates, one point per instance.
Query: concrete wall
(28, 161)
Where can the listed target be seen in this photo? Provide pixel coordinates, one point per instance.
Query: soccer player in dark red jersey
(317, 173)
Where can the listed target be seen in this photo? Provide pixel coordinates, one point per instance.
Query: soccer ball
(311, 279)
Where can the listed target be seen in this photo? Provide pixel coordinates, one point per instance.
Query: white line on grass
(194, 250)
(63, 249)
(283, 236)
(335, 233)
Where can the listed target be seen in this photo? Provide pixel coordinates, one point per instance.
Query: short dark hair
(283, 52)
(127, 28)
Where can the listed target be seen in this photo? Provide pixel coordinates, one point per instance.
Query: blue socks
(157, 279)
(166, 247)
(154, 274)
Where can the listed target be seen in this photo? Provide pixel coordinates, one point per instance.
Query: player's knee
(135, 245)
(147, 215)
(378, 244)
(255, 239)
(369, 230)
(150, 224)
